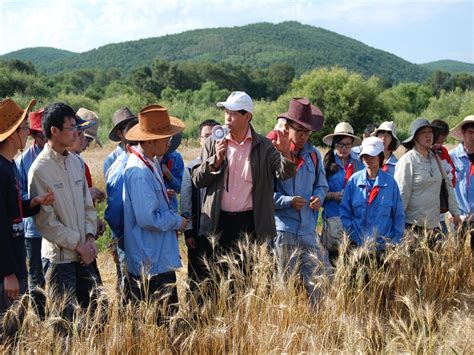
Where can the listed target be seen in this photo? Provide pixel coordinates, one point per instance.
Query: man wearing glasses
(69, 225)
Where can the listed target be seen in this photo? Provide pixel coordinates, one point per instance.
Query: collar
(392, 160)
(339, 162)
(459, 151)
(248, 135)
(362, 179)
(421, 156)
(54, 154)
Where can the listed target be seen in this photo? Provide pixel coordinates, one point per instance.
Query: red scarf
(373, 194)
(471, 171)
(385, 167)
(349, 169)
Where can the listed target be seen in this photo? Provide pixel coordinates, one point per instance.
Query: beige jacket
(419, 180)
(72, 215)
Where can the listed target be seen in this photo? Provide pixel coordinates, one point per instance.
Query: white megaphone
(220, 132)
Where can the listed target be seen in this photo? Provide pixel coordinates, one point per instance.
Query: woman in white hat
(339, 166)
(420, 177)
(387, 132)
(371, 208)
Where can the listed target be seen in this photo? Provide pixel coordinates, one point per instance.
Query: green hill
(258, 45)
(39, 56)
(451, 66)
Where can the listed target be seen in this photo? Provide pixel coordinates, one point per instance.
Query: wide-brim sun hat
(388, 126)
(120, 118)
(342, 129)
(371, 146)
(11, 116)
(93, 131)
(302, 112)
(35, 118)
(456, 132)
(415, 126)
(154, 122)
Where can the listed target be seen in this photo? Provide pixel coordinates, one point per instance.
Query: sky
(419, 31)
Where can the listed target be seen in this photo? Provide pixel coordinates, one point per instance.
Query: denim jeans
(72, 280)
(35, 274)
(308, 261)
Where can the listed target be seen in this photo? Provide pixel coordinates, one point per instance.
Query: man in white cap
(238, 173)
(463, 159)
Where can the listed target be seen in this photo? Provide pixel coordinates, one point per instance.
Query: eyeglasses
(70, 129)
(343, 145)
(300, 131)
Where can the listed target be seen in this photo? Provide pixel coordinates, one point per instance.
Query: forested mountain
(451, 66)
(258, 45)
(39, 56)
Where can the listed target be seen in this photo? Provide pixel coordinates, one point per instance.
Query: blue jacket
(109, 160)
(336, 183)
(384, 217)
(114, 186)
(308, 182)
(177, 171)
(23, 163)
(150, 224)
(464, 184)
(391, 163)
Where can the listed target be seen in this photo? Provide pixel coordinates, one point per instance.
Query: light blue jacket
(307, 182)
(384, 217)
(114, 186)
(23, 163)
(464, 184)
(336, 183)
(150, 224)
(177, 171)
(391, 163)
(109, 160)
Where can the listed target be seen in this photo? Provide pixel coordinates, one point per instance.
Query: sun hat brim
(330, 137)
(456, 132)
(17, 124)
(136, 133)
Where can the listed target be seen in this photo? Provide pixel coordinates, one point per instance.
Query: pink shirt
(237, 196)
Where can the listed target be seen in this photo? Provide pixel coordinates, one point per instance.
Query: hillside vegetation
(258, 45)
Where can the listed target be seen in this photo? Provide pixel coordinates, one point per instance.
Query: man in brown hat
(298, 200)
(69, 226)
(150, 224)
(13, 136)
(120, 118)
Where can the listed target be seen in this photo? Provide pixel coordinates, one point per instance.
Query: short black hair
(443, 127)
(205, 123)
(54, 115)
(466, 126)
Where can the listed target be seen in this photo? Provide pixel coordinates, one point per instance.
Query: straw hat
(388, 126)
(154, 123)
(342, 129)
(11, 116)
(88, 115)
(456, 132)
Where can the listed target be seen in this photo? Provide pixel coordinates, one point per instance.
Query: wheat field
(418, 301)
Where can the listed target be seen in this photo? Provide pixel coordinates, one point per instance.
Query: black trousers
(232, 228)
(197, 270)
(159, 288)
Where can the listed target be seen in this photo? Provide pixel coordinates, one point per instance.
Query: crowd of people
(268, 189)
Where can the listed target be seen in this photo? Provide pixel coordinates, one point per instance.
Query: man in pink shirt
(238, 173)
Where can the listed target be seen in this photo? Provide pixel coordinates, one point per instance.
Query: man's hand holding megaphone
(221, 149)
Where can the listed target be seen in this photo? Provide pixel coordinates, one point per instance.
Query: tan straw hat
(93, 130)
(456, 132)
(11, 116)
(388, 126)
(342, 129)
(154, 123)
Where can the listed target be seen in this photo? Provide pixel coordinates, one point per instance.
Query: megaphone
(220, 132)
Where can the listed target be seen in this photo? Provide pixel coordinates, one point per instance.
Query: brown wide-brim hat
(342, 129)
(456, 132)
(11, 116)
(302, 112)
(154, 122)
(119, 119)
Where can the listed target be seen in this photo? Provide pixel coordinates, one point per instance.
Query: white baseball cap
(236, 101)
(372, 146)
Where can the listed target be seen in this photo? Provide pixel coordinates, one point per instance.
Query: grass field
(418, 301)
